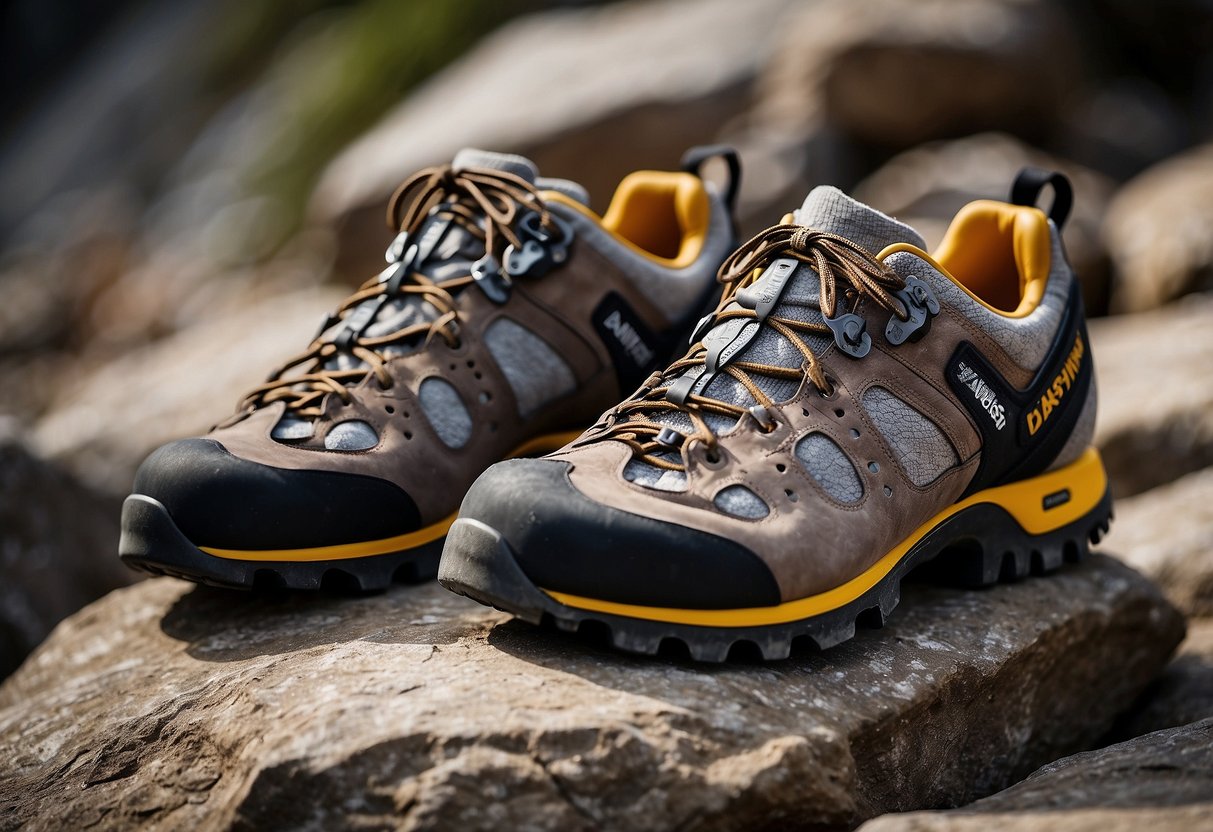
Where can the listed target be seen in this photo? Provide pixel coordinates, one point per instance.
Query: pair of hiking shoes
(849, 408)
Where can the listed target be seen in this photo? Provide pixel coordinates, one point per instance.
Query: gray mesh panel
(740, 501)
(919, 446)
(826, 463)
(446, 411)
(291, 427)
(351, 436)
(536, 372)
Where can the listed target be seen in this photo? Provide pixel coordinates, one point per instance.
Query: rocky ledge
(1163, 781)
(171, 706)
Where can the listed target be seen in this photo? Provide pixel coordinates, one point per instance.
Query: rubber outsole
(152, 543)
(979, 546)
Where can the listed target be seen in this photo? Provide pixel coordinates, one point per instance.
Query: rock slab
(1163, 781)
(172, 706)
(1156, 232)
(1167, 534)
(1181, 695)
(1155, 395)
(51, 531)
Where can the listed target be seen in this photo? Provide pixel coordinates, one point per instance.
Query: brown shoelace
(835, 259)
(468, 197)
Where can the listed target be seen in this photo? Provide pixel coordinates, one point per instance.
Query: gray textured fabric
(740, 501)
(1084, 431)
(651, 476)
(673, 291)
(536, 372)
(570, 189)
(471, 157)
(291, 427)
(446, 411)
(1025, 339)
(829, 209)
(830, 466)
(918, 444)
(351, 436)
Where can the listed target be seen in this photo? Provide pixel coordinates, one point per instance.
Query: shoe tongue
(521, 166)
(471, 157)
(829, 209)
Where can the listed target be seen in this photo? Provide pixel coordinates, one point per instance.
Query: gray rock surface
(1157, 232)
(1160, 781)
(103, 425)
(171, 706)
(1167, 534)
(1181, 695)
(884, 76)
(58, 545)
(1155, 396)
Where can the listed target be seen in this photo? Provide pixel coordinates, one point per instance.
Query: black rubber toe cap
(566, 542)
(221, 501)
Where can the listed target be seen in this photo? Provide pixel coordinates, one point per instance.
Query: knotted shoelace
(836, 260)
(486, 204)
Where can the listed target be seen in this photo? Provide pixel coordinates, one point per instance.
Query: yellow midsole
(387, 545)
(1085, 479)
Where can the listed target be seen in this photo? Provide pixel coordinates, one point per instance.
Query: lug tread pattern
(953, 553)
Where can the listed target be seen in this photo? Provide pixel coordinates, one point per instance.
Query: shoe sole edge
(978, 545)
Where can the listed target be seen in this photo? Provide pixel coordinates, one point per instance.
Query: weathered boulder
(1155, 400)
(1157, 232)
(1182, 694)
(168, 706)
(927, 185)
(58, 548)
(1162, 781)
(1167, 534)
(561, 87)
(848, 82)
(103, 425)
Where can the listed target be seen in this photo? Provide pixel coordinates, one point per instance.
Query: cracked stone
(293, 706)
(1161, 781)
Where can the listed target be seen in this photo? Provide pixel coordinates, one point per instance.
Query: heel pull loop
(693, 161)
(1031, 181)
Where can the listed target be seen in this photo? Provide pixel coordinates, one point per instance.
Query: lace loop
(485, 203)
(836, 260)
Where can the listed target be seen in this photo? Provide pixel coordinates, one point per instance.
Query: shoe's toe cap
(565, 542)
(221, 501)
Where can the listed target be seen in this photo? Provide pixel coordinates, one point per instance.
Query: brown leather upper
(811, 542)
(557, 307)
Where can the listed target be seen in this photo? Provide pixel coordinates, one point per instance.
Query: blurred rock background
(186, 187)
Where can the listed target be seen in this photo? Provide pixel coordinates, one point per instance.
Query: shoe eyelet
(713, 459)
(832, 393)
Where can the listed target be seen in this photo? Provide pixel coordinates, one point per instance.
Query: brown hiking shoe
(855, 407)
(508, 317)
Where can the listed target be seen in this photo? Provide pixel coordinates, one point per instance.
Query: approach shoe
(854, 407)
(508, 317)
